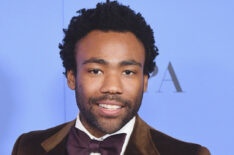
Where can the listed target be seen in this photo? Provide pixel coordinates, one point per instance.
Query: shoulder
(168, 145)
(40, 135)
(31, 141)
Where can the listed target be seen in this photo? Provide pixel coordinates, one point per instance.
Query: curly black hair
(109, 16)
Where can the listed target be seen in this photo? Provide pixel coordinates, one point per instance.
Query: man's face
(109, 82)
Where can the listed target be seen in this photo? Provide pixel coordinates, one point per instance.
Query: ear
(145, 82)
(71, 80)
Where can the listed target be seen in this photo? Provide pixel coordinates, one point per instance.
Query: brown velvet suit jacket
(143, 141)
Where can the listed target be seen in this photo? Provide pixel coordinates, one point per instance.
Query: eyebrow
(95, 60)
(130, 62)
(104, 62)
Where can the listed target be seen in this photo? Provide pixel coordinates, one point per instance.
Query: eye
(128, 72)
(95, 71)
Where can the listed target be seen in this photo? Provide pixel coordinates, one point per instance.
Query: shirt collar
(127, 128)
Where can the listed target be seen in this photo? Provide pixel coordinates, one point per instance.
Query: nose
(112, 84)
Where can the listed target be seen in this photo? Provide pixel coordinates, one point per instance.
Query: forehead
(110, 46)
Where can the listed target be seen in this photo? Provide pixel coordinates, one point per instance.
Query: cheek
(133, 88)
(88, 86)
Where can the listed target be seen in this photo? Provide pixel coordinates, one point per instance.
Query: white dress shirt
(127, 128)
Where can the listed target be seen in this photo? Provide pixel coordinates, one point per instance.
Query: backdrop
(190, 97)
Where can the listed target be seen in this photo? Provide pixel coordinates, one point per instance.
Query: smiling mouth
(109, 107)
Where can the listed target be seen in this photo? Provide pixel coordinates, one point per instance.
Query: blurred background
(191, 97)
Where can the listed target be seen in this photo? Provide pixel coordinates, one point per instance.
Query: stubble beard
(104, 124)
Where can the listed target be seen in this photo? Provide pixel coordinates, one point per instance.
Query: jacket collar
(52, 142)
(140, 141)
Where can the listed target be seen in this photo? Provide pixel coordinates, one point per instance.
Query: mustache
(116, 98)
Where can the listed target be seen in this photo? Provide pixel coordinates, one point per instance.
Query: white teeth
(111, 107)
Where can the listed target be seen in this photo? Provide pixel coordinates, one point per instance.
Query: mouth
(110, 108)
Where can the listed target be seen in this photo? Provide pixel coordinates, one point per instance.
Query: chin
(110, 125)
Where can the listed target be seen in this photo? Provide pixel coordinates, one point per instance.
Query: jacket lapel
(140, 142)
(56, 144)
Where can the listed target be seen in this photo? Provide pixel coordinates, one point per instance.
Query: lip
(110, 113)
(111, 102)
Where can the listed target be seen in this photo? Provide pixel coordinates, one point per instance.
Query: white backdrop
(196, 37)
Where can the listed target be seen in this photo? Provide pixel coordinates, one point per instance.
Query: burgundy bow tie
(80, 144)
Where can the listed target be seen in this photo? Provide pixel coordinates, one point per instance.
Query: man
(108, 55)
